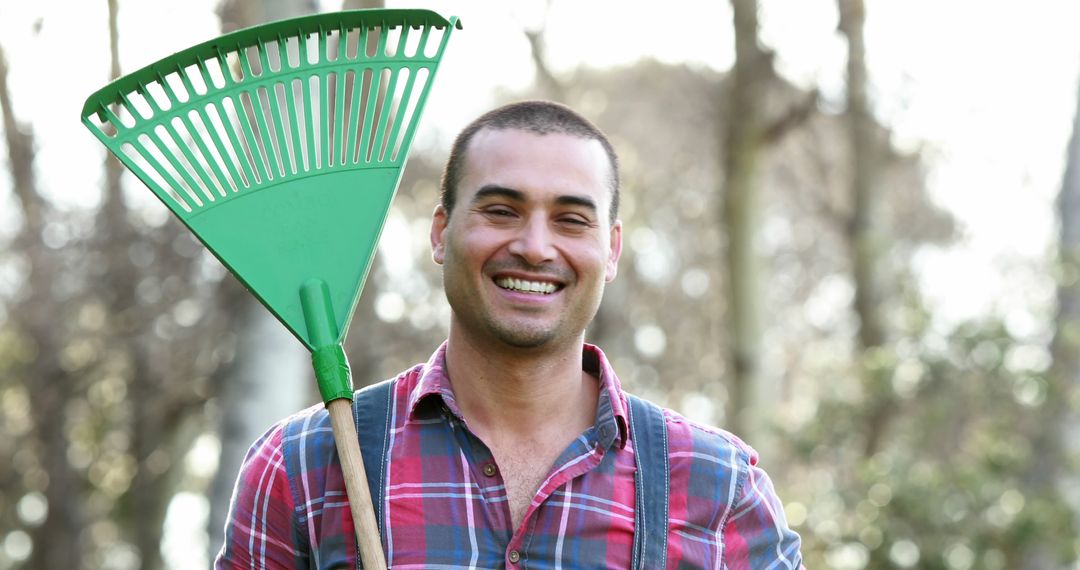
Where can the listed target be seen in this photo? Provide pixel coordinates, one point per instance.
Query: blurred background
(852, 230)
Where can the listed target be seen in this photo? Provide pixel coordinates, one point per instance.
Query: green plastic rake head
(281, 146)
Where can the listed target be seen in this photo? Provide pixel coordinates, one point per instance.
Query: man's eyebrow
(494, 190)
(583, 201)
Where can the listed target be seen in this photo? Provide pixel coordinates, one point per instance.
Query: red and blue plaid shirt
(445, 503)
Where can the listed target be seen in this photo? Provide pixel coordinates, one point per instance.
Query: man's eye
(499, 212)
(574, 221)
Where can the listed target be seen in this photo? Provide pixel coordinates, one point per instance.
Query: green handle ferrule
(332, 372)
(328, 358)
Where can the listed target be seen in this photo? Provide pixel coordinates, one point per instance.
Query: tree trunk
(744, 141)
(863, 244)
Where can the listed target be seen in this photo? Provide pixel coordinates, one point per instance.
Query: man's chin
(524, 337)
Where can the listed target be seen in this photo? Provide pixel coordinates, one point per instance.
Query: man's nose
(533, 242)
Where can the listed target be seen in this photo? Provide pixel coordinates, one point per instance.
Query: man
(512, 446)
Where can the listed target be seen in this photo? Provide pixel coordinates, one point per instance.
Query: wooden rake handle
(335, 387)
(356, 485)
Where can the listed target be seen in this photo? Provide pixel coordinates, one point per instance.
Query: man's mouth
(526, 286)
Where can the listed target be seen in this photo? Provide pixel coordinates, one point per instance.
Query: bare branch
(795, 116)
(549, 85)
(20, 142)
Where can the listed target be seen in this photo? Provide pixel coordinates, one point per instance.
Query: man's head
(540, 117)
(531, 242)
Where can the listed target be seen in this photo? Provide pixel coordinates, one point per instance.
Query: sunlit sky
(986, 88)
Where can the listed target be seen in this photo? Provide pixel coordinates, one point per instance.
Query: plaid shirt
(445, 504)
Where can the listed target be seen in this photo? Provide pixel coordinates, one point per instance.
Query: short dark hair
(540, 117)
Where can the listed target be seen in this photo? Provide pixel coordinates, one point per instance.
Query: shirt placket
(486, 472)
(580, 458)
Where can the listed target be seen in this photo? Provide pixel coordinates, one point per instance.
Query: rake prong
(422, 44)
(294, 127)
(257, 144)
(339, 118)
(269, 144)
(343, 43)
(400, 113)
(148, 179)
(309, 122)
(226, 72)
(170, 93)
(380, 51)
(194, 165)
(354, 116)
(403, 40)
(155, 107)
(239, 154)
(197, 135)
(128, 106)
(219, 144)
(167, 173)
(192, 185)
(250, 142)
(278, 138)
(183, 75)
(113, 119)
(324, 103)
(374, 89)
(283, 146)
(386, 111)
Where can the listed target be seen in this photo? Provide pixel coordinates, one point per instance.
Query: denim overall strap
(648, 431)
(371, 410)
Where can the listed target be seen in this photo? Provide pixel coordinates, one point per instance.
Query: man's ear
(615, 251)
(439, 219)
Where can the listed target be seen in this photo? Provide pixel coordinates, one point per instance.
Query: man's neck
(516, 393)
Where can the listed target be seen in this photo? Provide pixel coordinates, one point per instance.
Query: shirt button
(514, 556)
(490, 470)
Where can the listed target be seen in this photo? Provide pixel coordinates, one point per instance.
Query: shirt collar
(611, 418)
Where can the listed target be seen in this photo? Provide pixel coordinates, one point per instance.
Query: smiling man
(514, 446)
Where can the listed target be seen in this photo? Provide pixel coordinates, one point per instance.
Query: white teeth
(527, 286)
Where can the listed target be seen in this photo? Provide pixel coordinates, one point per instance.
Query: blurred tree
(743, 135)
(750, 126)
(864, 243)
(37, 317)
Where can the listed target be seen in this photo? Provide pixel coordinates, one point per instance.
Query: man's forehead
(510, 146)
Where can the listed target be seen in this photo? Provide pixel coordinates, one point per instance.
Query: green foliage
(950, 487)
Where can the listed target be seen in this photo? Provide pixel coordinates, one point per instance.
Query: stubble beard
(480, 320)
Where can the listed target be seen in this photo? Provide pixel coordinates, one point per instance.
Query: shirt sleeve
(258, 529)
(757, 533)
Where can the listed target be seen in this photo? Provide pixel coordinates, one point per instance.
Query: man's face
(529, 246)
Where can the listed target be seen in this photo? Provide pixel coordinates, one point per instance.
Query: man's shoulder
(309, 425)
(690, 440)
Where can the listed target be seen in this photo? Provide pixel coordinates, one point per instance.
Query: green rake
(281, 147)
